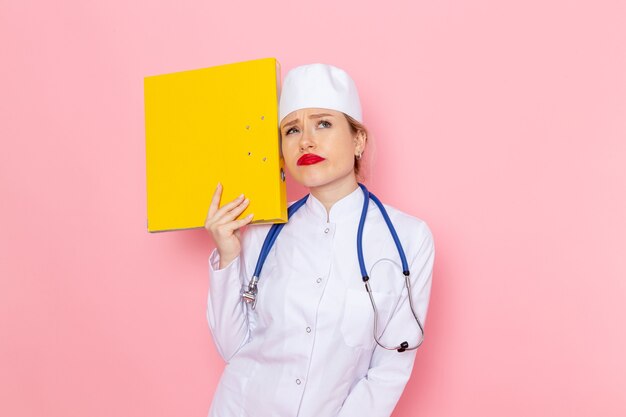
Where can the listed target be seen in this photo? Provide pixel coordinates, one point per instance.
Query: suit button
(326, 230)
(319, 280)
(308, 330)
(298, 381)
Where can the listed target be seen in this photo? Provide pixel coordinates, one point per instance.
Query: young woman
(306, 346)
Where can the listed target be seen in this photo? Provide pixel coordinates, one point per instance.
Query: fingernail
(241, 196)
(247, 200)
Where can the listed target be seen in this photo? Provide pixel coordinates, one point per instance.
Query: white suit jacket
(308, 349)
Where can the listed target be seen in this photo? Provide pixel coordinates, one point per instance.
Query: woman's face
(319, 147)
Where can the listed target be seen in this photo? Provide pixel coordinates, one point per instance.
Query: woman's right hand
(223, 227)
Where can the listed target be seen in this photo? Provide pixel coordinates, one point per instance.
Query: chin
(318, 178)
(311, 182)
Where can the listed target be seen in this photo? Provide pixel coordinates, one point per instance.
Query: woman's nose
(306, 139)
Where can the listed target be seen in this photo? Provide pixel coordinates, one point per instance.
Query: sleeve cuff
(214, 262)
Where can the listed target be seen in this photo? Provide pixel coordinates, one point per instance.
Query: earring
(359, 155)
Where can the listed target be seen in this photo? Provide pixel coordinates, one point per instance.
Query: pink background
(502, 124)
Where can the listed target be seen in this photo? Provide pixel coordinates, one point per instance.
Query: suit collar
(348, 207)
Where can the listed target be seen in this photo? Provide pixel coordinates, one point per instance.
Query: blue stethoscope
(250, 295)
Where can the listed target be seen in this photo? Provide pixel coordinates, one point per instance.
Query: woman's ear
(359, 141)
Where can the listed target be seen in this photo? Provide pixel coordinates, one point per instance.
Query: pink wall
(502, 124)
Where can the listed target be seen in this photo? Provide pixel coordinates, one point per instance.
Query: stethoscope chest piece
(249, 295)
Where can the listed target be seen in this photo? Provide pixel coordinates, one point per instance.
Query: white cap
(322, 86)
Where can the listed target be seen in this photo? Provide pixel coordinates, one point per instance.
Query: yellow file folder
(209, 125)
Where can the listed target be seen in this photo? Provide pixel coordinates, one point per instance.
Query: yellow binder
(208, 125)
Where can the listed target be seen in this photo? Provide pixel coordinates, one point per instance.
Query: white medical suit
(307, 349)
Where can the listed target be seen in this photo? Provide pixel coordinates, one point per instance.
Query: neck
(329, 194)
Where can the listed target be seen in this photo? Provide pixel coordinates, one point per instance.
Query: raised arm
(226, 313)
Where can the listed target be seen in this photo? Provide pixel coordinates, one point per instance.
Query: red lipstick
(309, 159)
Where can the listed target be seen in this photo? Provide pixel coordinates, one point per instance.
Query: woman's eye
(323, 123)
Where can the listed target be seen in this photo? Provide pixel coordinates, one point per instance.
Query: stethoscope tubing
(251, 294)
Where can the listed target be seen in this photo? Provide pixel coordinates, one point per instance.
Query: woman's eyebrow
(313, 116)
